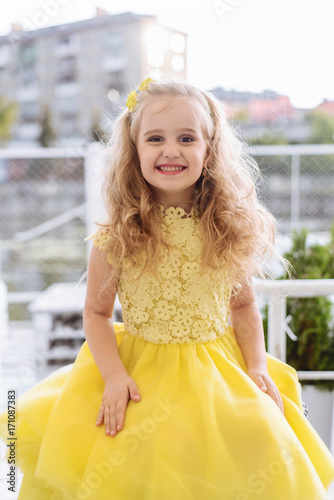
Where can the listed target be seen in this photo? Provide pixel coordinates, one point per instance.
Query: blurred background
(66, 68)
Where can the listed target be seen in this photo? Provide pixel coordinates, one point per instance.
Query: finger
(261, 384)
(100, 415)
(134, 393)
(275, 395)
(120, 415)
(263, 387)
(281, 405)
(107, 418)
(113, 431)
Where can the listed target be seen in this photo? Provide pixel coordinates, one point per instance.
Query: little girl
(178, 402)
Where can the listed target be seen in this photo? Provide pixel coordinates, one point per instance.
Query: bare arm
(98, 326)
(246, 322)
(101, 339)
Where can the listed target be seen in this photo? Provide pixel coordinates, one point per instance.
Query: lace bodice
(182, 305)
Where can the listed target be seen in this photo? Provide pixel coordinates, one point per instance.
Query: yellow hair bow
(132, 99)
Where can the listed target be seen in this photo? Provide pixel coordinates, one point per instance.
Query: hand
(119, 388)
(263, 380)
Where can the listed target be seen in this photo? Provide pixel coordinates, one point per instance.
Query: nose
(171, 150)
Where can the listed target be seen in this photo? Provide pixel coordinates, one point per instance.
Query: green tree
(322, 128)
(8, 114)
(47, 135)
(269, 137)
(242, 115)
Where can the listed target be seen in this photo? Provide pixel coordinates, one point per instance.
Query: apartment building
(83, 71)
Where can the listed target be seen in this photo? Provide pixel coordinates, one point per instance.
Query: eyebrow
(159, 131)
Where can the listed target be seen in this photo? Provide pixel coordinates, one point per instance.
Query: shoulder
(100, 240)
(100, 237)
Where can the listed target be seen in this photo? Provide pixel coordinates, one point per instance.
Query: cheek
(201, 156)
(145, 163)
(145, 156)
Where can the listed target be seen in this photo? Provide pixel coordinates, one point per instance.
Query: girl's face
(171, 150)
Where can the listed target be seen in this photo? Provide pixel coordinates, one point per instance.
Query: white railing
(277, 292)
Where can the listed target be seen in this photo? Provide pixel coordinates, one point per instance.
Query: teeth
(170, 169)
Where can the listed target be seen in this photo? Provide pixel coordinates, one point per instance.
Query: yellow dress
(202, 429)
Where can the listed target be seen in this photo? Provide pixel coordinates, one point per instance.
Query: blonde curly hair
(238, 230)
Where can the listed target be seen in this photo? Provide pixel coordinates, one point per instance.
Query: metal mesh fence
(298, 188)
(42, 210)
(274, 189)
(42, 224)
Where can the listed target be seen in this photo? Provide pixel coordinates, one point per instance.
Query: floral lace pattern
(179, 305)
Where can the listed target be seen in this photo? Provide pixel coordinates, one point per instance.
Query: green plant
(311, 318)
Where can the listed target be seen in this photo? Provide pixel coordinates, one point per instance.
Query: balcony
(66, 89)
(28, 93)
(67, 47)
(28, 131)
(4, 55)
(110, 64)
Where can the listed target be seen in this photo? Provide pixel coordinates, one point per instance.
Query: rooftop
(19, 32)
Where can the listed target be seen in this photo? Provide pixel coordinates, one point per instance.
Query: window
(178, 62)
(64, 42)
(155, 57)
(68, 127)
(67, 105)
(67, 46)
(114, 43)
(67, 42)
(115, 80)
(29, 112)
(178, 43)
(27, 74)
(4, 54)
(66, 70)
(27, 53)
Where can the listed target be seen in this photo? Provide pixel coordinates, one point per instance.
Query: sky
(281, 45)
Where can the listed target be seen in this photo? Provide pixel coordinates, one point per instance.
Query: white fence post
(276, 332)
(277, 292)
(93, 183)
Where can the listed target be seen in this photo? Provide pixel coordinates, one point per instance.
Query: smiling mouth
(171, 168)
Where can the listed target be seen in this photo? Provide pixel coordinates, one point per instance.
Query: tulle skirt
(202, 430)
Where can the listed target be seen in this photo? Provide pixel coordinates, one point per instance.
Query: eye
(155, 139)
(186, 138)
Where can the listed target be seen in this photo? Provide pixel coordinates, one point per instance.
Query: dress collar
(178, 212)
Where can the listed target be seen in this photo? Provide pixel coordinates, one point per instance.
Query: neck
(186, 202)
